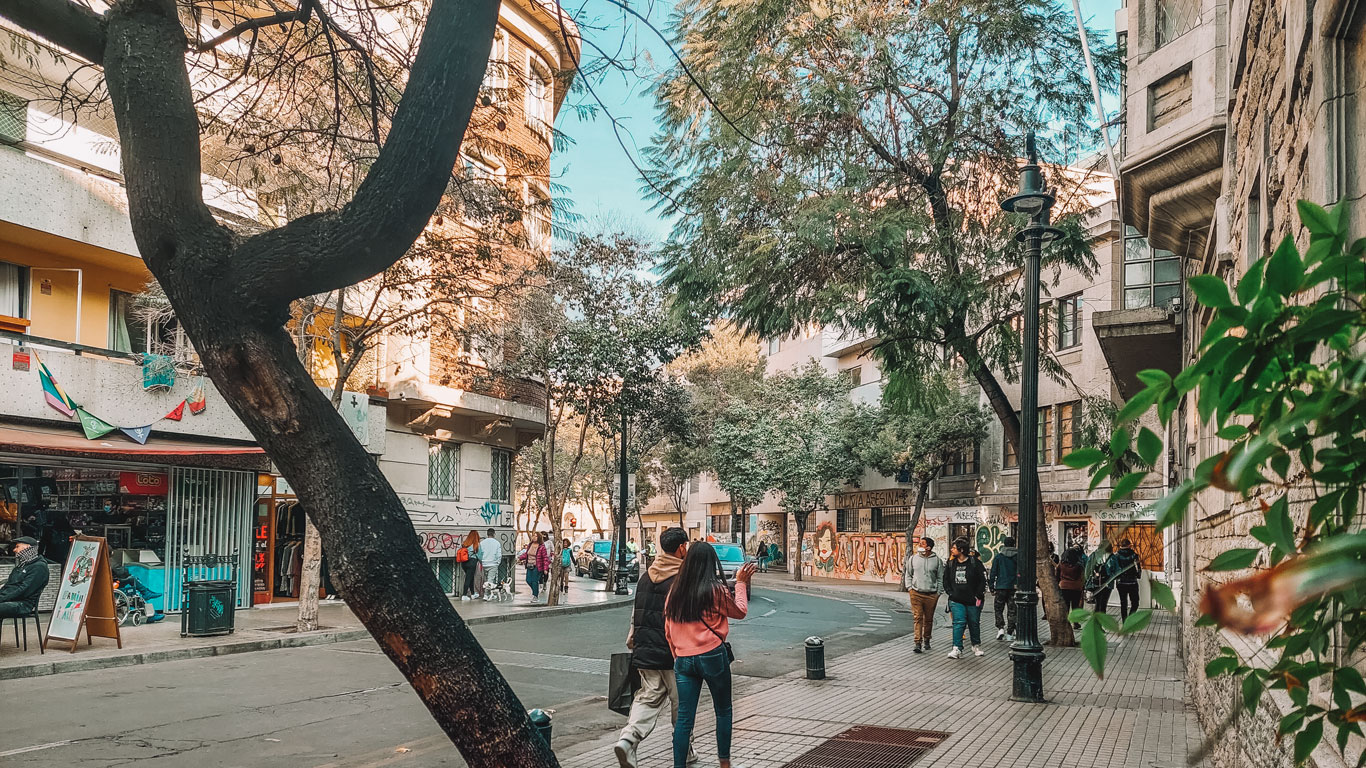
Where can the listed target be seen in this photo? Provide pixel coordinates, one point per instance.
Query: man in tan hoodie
(650, 653)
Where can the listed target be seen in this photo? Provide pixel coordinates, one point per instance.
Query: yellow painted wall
(54, 315)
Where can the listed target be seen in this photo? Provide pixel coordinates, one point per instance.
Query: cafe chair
(19, 621)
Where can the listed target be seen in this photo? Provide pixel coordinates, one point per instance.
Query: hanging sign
(86, 595)
(143, 483)
(21, 359)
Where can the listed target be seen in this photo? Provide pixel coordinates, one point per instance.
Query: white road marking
(35, 748)
(768, 599)
(771, 611)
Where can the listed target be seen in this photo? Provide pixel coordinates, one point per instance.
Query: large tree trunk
(795, 556)
(232, 295)
(1059, 628)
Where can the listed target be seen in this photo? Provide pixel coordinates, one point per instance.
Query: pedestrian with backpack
(467, 557)
(1126, 570)
(566, 561)
(1102, 577)
(1005, 571)
(965, 582)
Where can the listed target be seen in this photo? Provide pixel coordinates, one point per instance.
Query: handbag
(730, 652)
(623, 680)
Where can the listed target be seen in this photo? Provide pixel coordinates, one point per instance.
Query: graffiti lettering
(438, 542)
(990, 539)
(865, 556)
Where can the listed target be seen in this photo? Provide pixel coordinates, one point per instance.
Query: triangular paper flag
(139, 434)
(94, 426)
(196, 400)
(177, 412)
(56, 397)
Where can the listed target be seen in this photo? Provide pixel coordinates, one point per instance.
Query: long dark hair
(694, 589)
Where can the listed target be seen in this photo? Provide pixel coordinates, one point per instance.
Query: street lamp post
(623, 587)
(1026, 652)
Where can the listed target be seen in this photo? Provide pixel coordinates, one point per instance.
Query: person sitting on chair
(19, 596)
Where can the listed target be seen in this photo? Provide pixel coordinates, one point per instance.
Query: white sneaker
(977, 651)
(955, 653)
(465, 598)
(1010, 638)
(1000, 634)
(626, 754)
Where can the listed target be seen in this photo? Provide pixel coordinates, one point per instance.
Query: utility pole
(623, 587)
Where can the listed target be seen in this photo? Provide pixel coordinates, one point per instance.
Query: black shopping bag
(622, 682)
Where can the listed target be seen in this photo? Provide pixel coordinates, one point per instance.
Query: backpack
(564, 557)
(462, 555)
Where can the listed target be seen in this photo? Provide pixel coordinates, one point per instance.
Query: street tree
(594, 331)
(397, 79)
(842, 165)
(811, 446)
(741, 452)
(921, 442)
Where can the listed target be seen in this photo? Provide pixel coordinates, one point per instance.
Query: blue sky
(596, 173)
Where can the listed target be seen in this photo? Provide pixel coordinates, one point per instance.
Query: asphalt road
(345, 704)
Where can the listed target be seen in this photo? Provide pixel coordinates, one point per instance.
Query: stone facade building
(1234, 111)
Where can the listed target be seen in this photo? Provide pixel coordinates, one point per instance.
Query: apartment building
(110, 427)
(1233, 111)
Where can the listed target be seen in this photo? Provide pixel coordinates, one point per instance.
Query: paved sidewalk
(848, 588)
(261, 629)
(1135, 718)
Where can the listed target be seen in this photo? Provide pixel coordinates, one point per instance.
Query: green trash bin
(208, 609)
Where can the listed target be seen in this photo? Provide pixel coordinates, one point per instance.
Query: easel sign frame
(85, 598)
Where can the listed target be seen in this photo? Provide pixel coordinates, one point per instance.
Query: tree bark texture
(799, 520)
(232, 296)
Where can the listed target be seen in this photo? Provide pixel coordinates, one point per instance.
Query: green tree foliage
(843, 162)
(921, 442)
(1281, 375)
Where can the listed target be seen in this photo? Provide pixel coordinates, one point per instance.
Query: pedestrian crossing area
(875, 618)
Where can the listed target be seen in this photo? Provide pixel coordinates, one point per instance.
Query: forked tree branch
(301, 14)
(393, 204)
(73, 27)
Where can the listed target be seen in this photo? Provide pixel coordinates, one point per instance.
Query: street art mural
(824, 548)
(863, 556)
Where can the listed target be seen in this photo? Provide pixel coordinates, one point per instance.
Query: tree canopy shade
(842, 164)
(232, 290)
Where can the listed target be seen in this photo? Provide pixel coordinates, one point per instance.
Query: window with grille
(501, 482)
(1175, 18)
(443, 471)
(1069, 321)
(891, 519)
(958, 463)
(1069, 427)
(13, 118)
(444, 568)
(720, 523)
(537, 221)
(1152, 276)
(846, 519)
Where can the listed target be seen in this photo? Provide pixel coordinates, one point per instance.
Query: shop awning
(57, 442)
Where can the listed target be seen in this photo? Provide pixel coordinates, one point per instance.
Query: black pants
(1072, 598)
(469, 567)
(1128, 598)
(1103, 600)
(11, 609)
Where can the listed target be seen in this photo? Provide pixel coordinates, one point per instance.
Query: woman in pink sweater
(696, 623)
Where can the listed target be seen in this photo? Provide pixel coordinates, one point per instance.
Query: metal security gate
(209, 512)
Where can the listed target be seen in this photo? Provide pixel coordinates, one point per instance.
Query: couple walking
(964, 580)
(678, 642)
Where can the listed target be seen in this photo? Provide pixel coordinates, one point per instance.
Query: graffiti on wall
(864, 556)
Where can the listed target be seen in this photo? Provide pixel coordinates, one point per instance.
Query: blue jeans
(969, 616)
(690, 671)
(533, 580)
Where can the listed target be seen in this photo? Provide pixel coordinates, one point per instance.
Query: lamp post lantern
(1026, 652)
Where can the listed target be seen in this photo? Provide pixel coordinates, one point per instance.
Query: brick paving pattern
(1135, 717)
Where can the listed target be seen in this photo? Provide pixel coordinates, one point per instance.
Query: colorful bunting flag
(197, 400)
(56, 396)
(139, 434)
(94, 426)
(176, 413)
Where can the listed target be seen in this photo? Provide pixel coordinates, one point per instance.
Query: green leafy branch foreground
(1280, 375)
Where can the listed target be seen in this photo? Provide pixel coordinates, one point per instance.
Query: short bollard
(815, 658)
(540, 723)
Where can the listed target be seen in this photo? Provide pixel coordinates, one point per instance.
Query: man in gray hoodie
(923, 575)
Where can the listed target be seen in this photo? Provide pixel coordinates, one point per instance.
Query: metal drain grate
(868, 746)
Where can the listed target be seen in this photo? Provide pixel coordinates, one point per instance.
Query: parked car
(732, 556)
(591, 559)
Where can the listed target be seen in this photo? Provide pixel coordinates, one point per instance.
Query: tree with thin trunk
(232, 289)
(922, 442)
(843, 165)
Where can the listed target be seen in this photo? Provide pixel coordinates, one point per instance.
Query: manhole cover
(868, 746)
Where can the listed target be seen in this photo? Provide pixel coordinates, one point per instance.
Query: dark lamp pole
(1026, 652)
(622, 583)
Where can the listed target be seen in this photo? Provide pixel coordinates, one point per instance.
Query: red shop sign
(142, 483)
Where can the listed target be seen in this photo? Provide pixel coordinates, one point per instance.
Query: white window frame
(538, 96)
(775, 343)
(480, 170)
(540, 236)
(451, 450)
